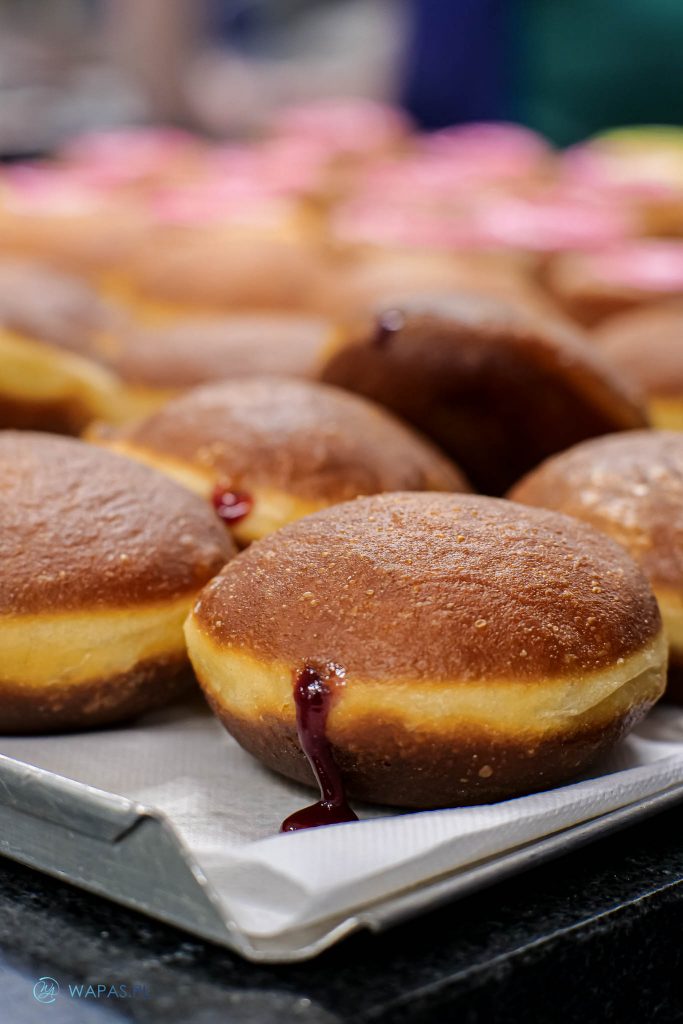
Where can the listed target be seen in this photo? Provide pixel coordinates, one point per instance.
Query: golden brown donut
(496, 388)
(630, 486)
(159, 361)
(474, 649)
(272, 449)
(50, 327)
(646, 345)
(101, 559)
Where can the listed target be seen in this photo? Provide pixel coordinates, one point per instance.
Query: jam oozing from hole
(314, 693)
(231, 506)
(388, 324)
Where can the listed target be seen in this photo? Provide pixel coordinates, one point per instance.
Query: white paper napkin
(227, 810)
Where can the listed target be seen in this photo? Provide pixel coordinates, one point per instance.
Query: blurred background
(566, 68)
(321, 159)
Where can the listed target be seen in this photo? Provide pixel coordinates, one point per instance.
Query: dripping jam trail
(314, 693)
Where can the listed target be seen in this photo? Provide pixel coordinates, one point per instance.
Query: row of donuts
(496, 380)
(470, 649)
(451, 648)
(169, 224)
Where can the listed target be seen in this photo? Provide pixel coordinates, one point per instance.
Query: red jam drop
(388, 324)
(231, 506)
(314, 692)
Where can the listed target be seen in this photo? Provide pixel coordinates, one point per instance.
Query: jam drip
(231, 506)
(314, 693)
(388, 324)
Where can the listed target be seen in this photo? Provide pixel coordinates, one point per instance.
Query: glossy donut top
(630, 486)
(434, 587)
(46, 305)
(497, 388)
(647, 345)
(82, 529)
(298, 436)
(194, 351)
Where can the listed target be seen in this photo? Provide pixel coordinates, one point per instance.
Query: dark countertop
(594, 936)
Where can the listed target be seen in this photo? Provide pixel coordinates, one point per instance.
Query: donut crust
(116, 534)
(385, 763)
(99, 702)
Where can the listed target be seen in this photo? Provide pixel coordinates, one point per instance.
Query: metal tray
(131, 854)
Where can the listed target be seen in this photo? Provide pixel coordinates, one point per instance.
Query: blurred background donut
(51, 328)
(646, 345)
(154, 362)
(592, 286)
(496, 387)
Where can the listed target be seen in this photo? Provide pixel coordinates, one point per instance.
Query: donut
(157, 362)
(132, 158)
(593, 286)
(492, 151)
(646, 345)
(347, 127)
(641, 165)
(220, 272)
(52, 215)
(101, 561)
(497, 388)
(380, 278)
(270, 450)
(541, 224)
(50, 326)
(630, 486)
(452, 649)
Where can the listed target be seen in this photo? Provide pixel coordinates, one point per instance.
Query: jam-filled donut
(159, 361)
(50, 327)
(646, 345)
(269, 450)
(630, 486)
(496, 388)
(435, 649)
(101, 560)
